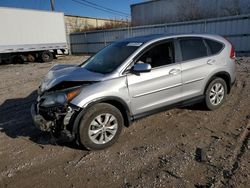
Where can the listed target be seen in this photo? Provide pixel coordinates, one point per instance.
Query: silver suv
(130, 79)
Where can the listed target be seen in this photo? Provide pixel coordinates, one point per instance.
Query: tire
(18, 59)
(94, 133)
(216, 93)
(46, 56)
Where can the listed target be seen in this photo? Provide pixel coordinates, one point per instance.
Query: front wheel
(215, 94)
(18, 59)
(100, 126)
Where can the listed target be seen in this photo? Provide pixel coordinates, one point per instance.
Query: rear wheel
(100, 127)
(216, 93)
(46, 56)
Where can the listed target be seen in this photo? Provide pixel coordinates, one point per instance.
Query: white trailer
(29, 35)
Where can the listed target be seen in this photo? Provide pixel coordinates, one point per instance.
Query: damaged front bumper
(60, 126)
(39, 121)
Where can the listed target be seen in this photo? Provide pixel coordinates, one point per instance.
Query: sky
(77, 7)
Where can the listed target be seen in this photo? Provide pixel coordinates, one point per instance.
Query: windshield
(111, 57)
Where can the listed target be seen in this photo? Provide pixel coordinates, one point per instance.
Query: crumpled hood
(60, 73)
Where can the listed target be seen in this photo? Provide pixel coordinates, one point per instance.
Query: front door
(159, 87)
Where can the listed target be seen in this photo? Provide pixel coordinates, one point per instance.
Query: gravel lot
(187, 147)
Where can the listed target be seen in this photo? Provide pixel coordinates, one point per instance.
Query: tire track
(223, 174)
(226, 175)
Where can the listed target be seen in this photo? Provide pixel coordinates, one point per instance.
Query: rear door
(195, 65)
(159, 87)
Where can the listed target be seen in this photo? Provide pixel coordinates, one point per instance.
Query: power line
(99, 8)
(105, 7)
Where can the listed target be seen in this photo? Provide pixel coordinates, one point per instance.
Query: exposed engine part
(68, 115)
(43, 124)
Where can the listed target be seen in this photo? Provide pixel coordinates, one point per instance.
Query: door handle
(210, 61)
(174, 71)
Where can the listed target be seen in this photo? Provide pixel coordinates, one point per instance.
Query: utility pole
(52, 4)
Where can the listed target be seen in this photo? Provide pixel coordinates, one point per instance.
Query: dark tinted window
(214, 46)
(159, 55)
(192, 48)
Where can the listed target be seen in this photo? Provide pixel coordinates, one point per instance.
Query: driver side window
(159, 55)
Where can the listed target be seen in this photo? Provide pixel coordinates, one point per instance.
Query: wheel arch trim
(222, 74)
(125, 111)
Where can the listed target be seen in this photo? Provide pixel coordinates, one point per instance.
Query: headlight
(50, 100)
(60, 98)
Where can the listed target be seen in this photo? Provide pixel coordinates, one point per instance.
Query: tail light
(232, 52)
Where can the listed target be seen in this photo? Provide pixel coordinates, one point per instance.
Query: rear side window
(192, 48)
(214, 46)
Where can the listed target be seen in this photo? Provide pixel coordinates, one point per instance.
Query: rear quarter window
(215, 47)
(192, 48)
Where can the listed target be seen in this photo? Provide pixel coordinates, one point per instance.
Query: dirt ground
(187, 147)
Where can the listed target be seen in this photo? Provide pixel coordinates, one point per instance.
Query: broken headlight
(60, 98)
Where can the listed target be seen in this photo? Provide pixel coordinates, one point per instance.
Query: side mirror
(140, 67)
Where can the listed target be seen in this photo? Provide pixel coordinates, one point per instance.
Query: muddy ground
(187, 147)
